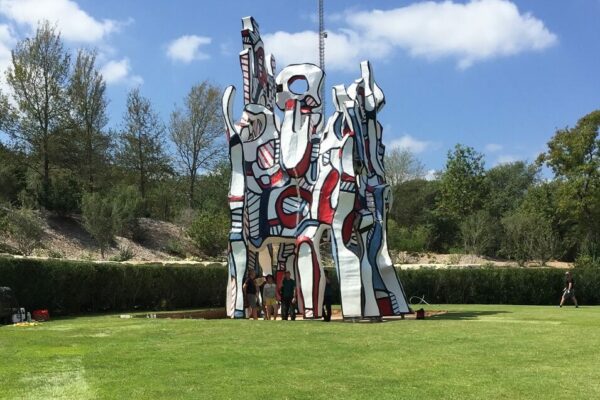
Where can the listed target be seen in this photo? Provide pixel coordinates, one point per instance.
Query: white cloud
(187, 48)
(493, 147)
(119, 71)
(412, 144)
(506, 159)
(468, 32)
(75, 24)
(431, 175)
(7, 40)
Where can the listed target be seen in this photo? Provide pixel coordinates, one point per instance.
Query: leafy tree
(413, 201)
(212, 193)
(462, 185)
(142, 142)
(528, 236)
(38, 77)
(89, 143)
(98, 219)
(507, 185)
(26, 229)
(65, 192)
(209, 232)
(574, 157)
(477, 232)
(401, 165)
(127, 206)
(197, 131)
(12, 174)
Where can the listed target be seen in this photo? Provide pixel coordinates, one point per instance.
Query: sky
(497, 75)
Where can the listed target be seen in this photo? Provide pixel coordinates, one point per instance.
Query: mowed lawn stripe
(472, 352)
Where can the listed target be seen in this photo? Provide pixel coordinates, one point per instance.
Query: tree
(507, 186)
(141, 142)
(574, 157)
(413, 200)
(528, 236)
(477, 232)
(26, 229)
(196, 130)
(401, 165)
(98, 219)
(209, 232)
(462, 186)
(37, 77)
(88, 144)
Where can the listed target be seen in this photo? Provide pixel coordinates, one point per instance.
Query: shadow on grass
(465, 315)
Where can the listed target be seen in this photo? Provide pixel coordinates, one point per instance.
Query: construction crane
(322, 37)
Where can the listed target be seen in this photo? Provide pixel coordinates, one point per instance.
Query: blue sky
(498, 75)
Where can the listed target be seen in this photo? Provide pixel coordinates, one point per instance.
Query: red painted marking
(288, 220)
(347, 227)
(235, 198)
(325, 211)
(347, 177)
(385, 306)
(302, 166)
(277, 177)
(289, 105)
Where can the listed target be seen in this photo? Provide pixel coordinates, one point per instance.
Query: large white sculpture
(297, 177)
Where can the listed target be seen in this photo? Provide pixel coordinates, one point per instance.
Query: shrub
(528, 236)
(69, 287)
(125, 254)
(128, 206)
(539, 286)
(209, 232)
(476, 232)
(98, 219)
(407, 239)
(25, 227)
(65, 192)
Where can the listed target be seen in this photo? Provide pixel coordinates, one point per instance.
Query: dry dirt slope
(162, 241)
(65, 237)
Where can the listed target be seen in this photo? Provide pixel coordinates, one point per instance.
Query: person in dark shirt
(327, 298)
(569, 290)
(250, 293)
(288, 297)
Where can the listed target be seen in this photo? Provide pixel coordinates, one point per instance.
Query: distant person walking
(269, 295)
(569, 290)
(288, 297)
(250, 292)
(327, 298)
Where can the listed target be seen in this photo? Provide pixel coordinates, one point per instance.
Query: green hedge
(68, 287)
(535, 286)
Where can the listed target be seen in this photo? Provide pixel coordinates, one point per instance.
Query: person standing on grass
(327, 298)
(288, 297)
(269, 295)
(569, 290)
(250, 293)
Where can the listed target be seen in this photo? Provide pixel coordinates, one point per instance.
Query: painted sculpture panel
(298, 181)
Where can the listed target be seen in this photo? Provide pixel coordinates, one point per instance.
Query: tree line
(507, 211)
(59, 155)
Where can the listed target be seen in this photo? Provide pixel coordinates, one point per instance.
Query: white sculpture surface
(297, 177)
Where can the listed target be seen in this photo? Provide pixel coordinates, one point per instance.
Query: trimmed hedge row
(532, 286)
(68, 287)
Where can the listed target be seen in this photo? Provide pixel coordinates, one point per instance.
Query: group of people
(274, 299)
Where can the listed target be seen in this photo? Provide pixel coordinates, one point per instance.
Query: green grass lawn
(472, 352)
